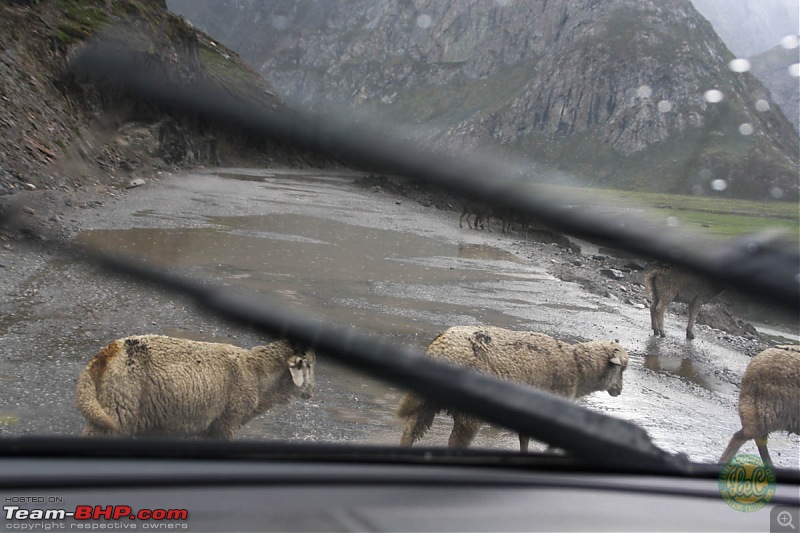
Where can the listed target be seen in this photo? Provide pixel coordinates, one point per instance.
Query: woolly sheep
(157, 385)
(666, 284)
(769, 399)
(529, 358)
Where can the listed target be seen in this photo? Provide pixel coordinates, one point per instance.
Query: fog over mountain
(750, 27)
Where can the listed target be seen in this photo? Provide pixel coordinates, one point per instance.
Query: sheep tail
(89, 406)
(649, 281)
(409, 405)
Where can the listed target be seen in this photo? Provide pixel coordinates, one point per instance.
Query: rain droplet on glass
(706, 174)
(739, 65)
(673, 222)
(424, 21)
(719, 185)
(665, 106)
(790, 42)
(644, 91)
(776, 192)
(762, 105)
(713, 96)
(794, 70)
(746, 129)
(697, 190)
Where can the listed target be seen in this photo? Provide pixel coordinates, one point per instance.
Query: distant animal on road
(482, 213)
(528, 358)
(156, 385)
(669, 283)
(769, 399)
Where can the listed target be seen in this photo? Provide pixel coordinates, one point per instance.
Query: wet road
(358, 258)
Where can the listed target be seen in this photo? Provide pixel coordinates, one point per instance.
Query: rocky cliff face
(613, 91)
(56, 132)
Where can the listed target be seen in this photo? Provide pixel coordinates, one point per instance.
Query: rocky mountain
(58, 132)
(751, 27)
(773, 68)
(612, 91)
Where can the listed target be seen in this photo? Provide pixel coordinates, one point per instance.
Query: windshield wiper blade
(593, 437)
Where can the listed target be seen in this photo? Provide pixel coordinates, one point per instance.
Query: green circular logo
(746, 483)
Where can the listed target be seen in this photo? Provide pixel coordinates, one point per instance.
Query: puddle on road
(368, 278)
(685, 368)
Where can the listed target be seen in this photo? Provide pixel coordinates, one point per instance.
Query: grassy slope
(721, 217)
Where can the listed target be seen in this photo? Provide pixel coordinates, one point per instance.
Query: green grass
(721, 217)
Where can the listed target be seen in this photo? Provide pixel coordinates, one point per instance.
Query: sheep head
(617, 363)
(301, 368)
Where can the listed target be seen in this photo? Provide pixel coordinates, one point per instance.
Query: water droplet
(706, 174)
(713, 96)
(644, 91)
(776, 192)
(673, 222)
(762, 105)
(719, 185)
(751, 247)
(697, 190)
(424, 21)
(739, 65)
(790, 42)
(279, 22)
(746, 129)
(665, 106)
(794, 70)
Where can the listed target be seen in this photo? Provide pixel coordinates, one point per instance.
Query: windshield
(534, 191)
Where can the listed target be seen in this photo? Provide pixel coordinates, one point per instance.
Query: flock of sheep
(157, 385)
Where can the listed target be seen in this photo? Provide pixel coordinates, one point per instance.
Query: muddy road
(359, 257)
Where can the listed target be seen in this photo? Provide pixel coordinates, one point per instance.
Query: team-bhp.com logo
(94, 513)
(746, 483)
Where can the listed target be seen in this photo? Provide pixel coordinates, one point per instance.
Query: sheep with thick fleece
(157, 385)
(769, 399)
(528, 358)
(667, 284)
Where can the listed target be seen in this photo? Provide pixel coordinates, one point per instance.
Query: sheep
(481, 212)
(769, 399)
(153, 385)
(529, 358)
(668, 283)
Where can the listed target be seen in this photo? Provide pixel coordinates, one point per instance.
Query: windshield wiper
(596, 438)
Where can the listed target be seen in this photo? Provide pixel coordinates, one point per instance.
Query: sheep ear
(297, 375)
(300, 371)
(615, 361)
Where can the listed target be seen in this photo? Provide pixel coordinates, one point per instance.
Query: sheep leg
(523, 442)
(220, 430)
(417, 425)
(735, 443)
(694, 309)
(90, 430)
(464, 430)
(661, 308)
(654, 317)
(761, 442)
